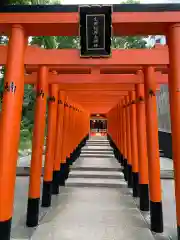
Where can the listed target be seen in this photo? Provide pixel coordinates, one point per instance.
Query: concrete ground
(95, 204)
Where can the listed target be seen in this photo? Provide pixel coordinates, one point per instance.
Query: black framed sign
(95, 30)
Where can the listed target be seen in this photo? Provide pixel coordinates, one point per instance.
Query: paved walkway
(95, 204)
(97, 148)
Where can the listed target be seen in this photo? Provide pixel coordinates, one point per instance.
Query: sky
(114, 1)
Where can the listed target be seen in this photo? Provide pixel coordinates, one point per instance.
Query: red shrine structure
(120, 84)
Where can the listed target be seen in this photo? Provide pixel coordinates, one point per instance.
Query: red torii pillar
(124, 140)
(50, 145)
(65, 145)
(128, 142)
(10, 126)
(153, 150)
(174, 93)
(142, 149)
(134, 148)
(58, 148)
(37, 148)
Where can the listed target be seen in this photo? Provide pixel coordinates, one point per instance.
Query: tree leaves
(33, 2)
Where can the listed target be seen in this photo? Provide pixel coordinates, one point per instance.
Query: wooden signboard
(95, 31)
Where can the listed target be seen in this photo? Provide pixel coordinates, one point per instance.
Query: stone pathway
(95, 204)
(96, 149)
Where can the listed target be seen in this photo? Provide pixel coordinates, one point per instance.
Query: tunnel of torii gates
(123, 86)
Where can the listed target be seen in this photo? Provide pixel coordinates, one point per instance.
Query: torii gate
(149, 19)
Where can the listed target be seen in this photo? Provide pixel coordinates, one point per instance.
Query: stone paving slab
(99, 213)
(26, 161)
(169, 211)
(97, 162)
(95, 182)
(97, 147)
(96, 155)
(100, 139)
(167, 170)
(166, 163)
(98, 142)
(96, 169)
(115, 174)
(97, 151)
(169, 208)
(96, 174)
(167, 174)
(19, 231)
(93, 213)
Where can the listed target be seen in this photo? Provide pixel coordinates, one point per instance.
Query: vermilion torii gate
(82, 72)
(109, 93)
(20, 22)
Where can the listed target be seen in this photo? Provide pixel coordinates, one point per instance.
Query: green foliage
(19, 2)
(128, 42)
(58, 42)
(45, 42)
(67, 42)
(33, 2)
(27, 120)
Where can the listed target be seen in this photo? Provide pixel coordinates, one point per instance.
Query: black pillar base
(178, 232)
(156, 217)
(46, 196)
(77, 153)
(135, 176)
(125, 170)
(32, 212)
(67, 169)
(122, 160)
(116, 152)
(72, 158)
(5, 229)
(55, 182)
(119, 156)
(62, 176)
(129, 175)
(144, 197)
